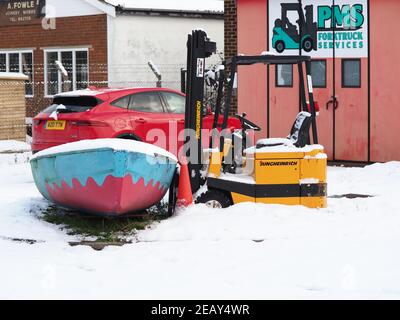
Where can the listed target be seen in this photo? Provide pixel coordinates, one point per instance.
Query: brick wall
(12, 108)
(71, 31)
(230, 28)
(231, 37)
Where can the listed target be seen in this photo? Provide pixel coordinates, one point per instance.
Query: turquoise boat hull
(103, 181)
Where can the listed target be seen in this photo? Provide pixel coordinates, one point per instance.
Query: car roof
(110, 93)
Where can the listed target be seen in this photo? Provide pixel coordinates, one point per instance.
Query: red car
(116, 113)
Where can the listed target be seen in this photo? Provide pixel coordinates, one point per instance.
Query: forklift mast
(199, 47)
(293, 7)
(305, 82)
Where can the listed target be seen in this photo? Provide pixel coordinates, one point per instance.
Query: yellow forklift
(289, 170)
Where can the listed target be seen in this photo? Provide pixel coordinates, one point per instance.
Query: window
(82, 69)
(19, 61)
(284, 75)
(146, 102)
(51, 73)
(76, 74)
(121, 102)
(14, 62)
(27, 69)
(73, 104)
(66, 61)
(318, 73)
(3, 62)
(351, 73)
(176, 102)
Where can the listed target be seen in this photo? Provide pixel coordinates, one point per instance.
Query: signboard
(16, 12)
(319, 27)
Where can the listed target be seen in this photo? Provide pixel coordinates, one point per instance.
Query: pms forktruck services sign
(319, 27)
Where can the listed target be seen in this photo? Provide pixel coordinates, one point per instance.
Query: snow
(7, 146)
(54, 114)
(242, 178)
(317, 156)
(180, 5)
(78, 93)
(286, 147)
(61, 68)
(272, 141)
(309, 181)
(114, 144)
(267, 53)
(249, 251)
(13, 76)
(155, 69)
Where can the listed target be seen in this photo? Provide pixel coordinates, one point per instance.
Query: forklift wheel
(280, 46)
(215, 199)
(307, 45)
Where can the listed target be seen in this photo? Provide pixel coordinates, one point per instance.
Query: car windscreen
(72, 104)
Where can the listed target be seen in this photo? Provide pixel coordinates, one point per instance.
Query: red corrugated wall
(385, 86)
(252, 39)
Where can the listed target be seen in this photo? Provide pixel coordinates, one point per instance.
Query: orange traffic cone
(185, 196)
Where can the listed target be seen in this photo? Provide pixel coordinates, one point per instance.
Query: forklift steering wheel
(247, 124)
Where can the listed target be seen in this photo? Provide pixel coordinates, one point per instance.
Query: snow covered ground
(349, 250)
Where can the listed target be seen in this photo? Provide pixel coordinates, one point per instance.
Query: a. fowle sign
(13, 12)
(319, 27)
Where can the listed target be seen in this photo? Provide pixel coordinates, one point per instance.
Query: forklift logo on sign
(318, 27)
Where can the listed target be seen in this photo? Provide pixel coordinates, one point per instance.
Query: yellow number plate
(55, 124)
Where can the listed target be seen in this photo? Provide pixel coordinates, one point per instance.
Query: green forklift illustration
(289, 36)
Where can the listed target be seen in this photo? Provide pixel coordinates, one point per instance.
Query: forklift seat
(299, 134)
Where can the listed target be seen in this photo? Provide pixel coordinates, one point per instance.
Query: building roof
(200, 6)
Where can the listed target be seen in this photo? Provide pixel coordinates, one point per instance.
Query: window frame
(165, 102)
(113, 103)
(277, 85)
(157, 92)
(20, 52)
(59, 77)
(326, 73)
(343, 73)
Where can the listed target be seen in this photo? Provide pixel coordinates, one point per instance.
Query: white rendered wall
(70, 8)
(137, 39)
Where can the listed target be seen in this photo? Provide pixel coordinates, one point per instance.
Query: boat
(104, 176)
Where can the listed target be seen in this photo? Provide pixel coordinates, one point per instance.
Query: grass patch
(103, 229)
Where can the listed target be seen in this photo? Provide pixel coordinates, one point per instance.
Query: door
(284, 99)
(148, 118)
(351, 114)
(323, 84)
(343, 43)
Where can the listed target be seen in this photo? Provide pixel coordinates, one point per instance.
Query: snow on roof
(173, 5)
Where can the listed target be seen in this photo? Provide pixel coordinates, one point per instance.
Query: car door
(175, 104)
(148, 118)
